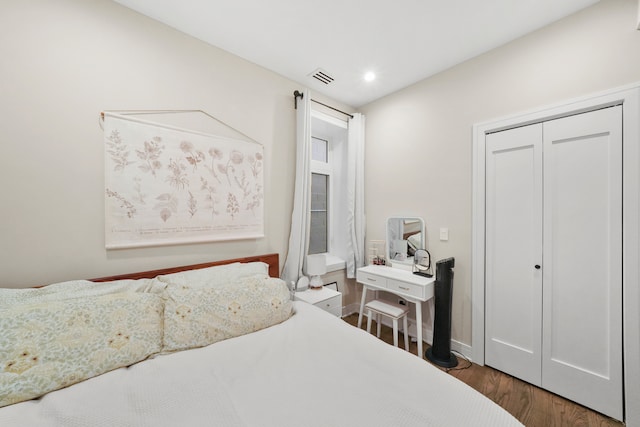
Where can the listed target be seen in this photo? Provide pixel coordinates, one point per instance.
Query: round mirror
(422, 263)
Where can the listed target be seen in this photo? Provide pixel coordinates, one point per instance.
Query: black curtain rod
(297, 94)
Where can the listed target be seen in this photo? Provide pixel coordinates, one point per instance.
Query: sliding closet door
(513, 295)
(582, 283)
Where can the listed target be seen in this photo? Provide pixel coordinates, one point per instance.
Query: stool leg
(405, 325)
(379, 323)
(368, 321)
(395, 332)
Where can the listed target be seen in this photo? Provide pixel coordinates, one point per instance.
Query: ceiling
(401, 41)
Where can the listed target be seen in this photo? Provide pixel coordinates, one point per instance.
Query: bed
(304, 367)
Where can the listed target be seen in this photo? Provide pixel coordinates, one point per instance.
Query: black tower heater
(440, 352)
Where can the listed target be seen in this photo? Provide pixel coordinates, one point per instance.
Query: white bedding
(311, 370)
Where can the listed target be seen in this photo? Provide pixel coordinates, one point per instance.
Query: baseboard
(427, 333)
(350, 309)
(462, 348)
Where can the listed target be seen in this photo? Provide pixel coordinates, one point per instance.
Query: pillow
(71, 289)
(48, 346)
(215, 276)
(195, 317)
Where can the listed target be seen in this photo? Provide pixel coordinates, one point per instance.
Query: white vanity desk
(412, 287)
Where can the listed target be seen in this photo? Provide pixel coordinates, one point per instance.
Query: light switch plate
(444, 234)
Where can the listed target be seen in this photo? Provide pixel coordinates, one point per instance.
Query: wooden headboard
(271, 259)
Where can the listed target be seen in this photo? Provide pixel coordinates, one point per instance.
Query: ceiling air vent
(322, 76)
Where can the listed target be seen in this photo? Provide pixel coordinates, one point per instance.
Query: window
(328, 227)
(320, 176)
(319, 230)
(319, 150)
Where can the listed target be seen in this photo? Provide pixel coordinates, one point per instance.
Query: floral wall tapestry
(165, 185)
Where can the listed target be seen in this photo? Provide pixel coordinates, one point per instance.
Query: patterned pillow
(48, 346)
(71, 289)
(195, 317)
(215, 276)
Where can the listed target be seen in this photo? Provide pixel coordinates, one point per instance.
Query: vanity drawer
(405, 288)
(371, 279)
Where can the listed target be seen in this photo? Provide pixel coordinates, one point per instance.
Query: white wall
(424, 132)
(65, 61)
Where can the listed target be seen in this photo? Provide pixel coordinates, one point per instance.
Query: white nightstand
(325, 298)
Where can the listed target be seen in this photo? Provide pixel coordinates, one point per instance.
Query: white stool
(393, 311)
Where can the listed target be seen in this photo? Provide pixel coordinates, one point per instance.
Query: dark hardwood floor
(532, 406)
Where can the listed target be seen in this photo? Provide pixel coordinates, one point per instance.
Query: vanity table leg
(364, 297)
(419, 327)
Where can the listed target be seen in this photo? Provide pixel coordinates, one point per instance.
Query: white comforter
(312, 370)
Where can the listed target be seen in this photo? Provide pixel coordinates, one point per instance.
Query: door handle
(537, 266)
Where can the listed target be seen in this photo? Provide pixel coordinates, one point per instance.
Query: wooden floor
(532, 406)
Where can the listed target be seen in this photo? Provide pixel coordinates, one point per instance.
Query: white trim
(463, 349)
(324, 168)
(334, 263)
(353, 308)
(427, 333)
(629, 97)
(329, 119)
(333, 168)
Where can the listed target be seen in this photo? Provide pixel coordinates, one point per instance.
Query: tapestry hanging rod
(297, 94)
(139, 112)
(136, 112)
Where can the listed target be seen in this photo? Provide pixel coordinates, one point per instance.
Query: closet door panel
(513, 248)
(582, 283)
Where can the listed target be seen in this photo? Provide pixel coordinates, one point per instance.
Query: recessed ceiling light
(369, 76)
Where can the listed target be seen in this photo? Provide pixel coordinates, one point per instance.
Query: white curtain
(355, 195)
(299, 236)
